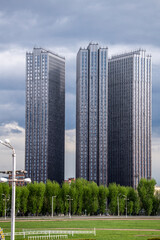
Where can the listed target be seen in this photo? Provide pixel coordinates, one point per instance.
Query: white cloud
(12, 64)
(156, 159)
(16, 135)
(70, 153)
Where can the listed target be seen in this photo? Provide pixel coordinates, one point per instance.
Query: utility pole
(52, 204)
(126, 203)
(118, 204)
(69, 199)
(5, 199)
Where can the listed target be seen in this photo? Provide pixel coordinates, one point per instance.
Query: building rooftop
(137, 52)
(47, 51)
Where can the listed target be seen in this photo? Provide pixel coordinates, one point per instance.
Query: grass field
(108, 229)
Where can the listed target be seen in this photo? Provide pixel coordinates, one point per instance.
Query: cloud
(156, 159)
(16, 135)
(49, 22)
(12, 70)
(70, 153)
(12, 106)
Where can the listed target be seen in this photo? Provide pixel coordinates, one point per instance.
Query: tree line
(83, 197)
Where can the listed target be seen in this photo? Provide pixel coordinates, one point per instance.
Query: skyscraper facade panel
(91, 114)
(45, 103)
(129, 118)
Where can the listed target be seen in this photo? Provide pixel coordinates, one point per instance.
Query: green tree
(65, 196)
(79, 183)
(94, 197)
(156, 203)
(134, 201)
(73, 195)
(18, 199)
(52, 189)
(24, 200)
(87, 196)
(146, 194)
(113, 193)
(36, 197)
(1, 200)
(102, 198)
(40, 196)
(122, 195)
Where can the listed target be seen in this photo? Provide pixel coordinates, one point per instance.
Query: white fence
(49, 237)
(68, 232)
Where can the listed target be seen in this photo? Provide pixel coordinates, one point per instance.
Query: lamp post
(126, 203)
(118, 202)
(7, 144)
(52, 204)
(6, 199)
(69, 199)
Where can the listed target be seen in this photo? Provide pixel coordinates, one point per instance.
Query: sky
(63, 26)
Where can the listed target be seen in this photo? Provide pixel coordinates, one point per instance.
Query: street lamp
(126, 203)
(69, 199)
(118, 202)
(5, 199)
(7, 144)
(52, 204)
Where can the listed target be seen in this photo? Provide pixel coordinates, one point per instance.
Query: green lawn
(101, 234)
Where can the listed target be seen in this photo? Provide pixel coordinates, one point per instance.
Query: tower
(129, 118)
(91, 114)
(45, 115)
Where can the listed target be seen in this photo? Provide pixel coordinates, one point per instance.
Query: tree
(24, 200)
(79, 183)
(52, 189)
(73, 195)
(94, 197)
(1, 200)
(40, 196)
(134, 201)
(65, 197)
(122, 195)
(146, 194)
(87, 198)
(18, 199)
(102, 198)
(36, 197)
(113, 193)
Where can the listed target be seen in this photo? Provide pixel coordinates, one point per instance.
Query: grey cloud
(70, 116)
(70, 21)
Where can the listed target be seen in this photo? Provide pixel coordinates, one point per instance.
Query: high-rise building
(129, 118)
(45, 115)
(91, 114)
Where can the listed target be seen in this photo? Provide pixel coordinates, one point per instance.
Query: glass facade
(91, 114)
(40, 84)
(129, 131)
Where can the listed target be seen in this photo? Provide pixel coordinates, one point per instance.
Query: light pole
(13, 180)
(52, 204)
(126, 203)
(7, 144)
(6, 199)
(69, 199)
(118, 202)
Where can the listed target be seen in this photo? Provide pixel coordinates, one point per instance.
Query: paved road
(109, 218)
